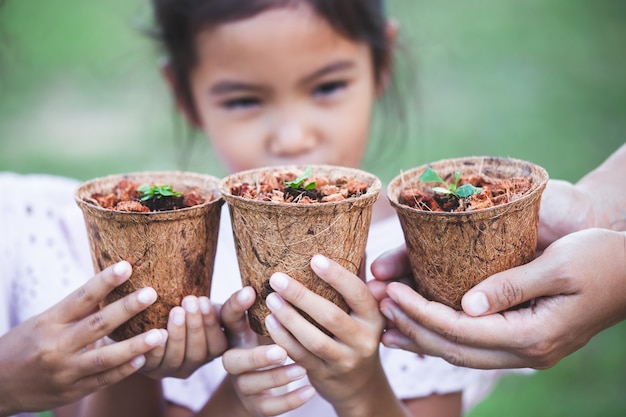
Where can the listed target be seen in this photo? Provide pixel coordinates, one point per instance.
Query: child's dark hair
(179, 21)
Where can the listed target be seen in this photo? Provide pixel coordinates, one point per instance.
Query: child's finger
(237, 361)
(110, 356)
(253, 383)
(351, 287)
(323, 311)
(234, 319)
(215, 339)
(102, 322)
(82, 301)
(305, 334)
(175, 349)
(196, 348)
(155, 356)
(272, 405)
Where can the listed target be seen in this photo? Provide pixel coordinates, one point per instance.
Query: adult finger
(513, 287)
(391, 265)
(496, 331)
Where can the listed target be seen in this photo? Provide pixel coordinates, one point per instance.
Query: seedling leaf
(467, 190)
(431, 176)
(148, 192)
(299, 182)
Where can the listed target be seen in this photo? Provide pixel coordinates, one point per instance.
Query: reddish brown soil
(125, 197)
(271, 187)
(495, 192)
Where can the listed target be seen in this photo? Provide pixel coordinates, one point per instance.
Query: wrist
(607, 208)
(374, 398)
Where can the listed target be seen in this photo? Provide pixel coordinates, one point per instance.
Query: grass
(81, 96)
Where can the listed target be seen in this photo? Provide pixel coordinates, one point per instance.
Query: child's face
(283, 88)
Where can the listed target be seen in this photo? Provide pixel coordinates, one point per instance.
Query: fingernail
(138, 361)
(190, 304)
(275, 354)
(122, 268)
(279, 281)
(320, 262)
(178, 316)
(271, 322)
(387, 314)
(307, 393)
(273, 301)
(295, 372)
(154, 337)
(475, 303)
(245, 295)
(147, 296)
(205, 305)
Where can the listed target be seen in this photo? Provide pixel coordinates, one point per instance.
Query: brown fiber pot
(452, 252)
(170, 251)
(283, 237)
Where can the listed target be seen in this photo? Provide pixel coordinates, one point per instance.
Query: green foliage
(299, 183)
(463, 191)
(149, 192)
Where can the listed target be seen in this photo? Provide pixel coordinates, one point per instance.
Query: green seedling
(298, 183)
(463, 191)
(149, 192)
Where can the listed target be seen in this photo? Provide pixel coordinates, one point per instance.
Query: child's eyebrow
(224, 87)
(328, 69)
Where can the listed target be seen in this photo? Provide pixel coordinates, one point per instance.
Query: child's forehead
(278, 30)
(293, 41)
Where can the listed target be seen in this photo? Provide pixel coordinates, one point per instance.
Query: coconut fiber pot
(452, 252)
(283, 237)
(172, 251)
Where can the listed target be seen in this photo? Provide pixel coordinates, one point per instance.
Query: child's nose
(291, 138)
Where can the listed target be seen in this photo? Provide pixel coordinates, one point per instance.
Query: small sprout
(298, 183)
(463, 191)
(149, 192)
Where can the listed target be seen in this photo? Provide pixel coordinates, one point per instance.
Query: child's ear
(387, 71)
(181, 104)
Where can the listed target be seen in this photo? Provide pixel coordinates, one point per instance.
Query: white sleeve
(44, 243)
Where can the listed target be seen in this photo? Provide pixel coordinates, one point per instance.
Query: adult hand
(565, 208)
(578, 286)
(50, 359)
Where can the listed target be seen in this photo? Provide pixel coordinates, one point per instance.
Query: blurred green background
(541, 80)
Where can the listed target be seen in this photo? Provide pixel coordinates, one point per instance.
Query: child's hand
(50, 359)
(256, 371)
(195, 338)
(346, 369)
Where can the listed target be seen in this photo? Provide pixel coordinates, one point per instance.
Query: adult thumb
(508, 289)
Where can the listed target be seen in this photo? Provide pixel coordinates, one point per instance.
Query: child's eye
(329, 88)
(241, 103)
